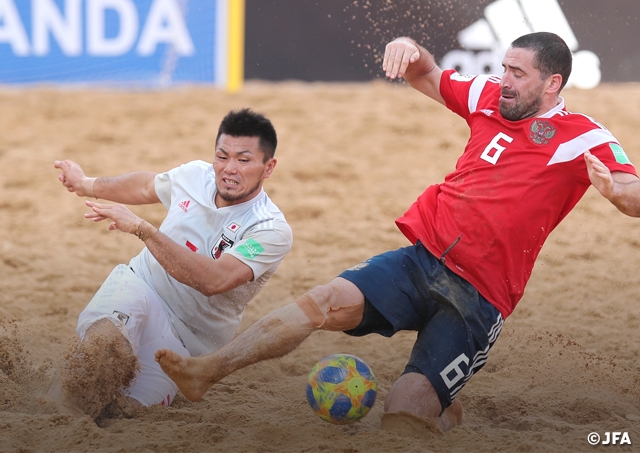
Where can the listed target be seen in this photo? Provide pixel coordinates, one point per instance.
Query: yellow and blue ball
(341, 389)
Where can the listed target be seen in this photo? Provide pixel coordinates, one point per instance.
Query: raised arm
(405, 58)
(620, 188)
(130, 188)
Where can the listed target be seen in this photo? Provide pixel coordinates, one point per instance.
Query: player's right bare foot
(187, 372)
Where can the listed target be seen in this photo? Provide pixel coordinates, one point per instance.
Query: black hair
(552, 55)
(247, 123)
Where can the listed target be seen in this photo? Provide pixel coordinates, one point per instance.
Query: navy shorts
(410, 289)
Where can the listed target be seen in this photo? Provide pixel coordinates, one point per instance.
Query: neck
(548, 105)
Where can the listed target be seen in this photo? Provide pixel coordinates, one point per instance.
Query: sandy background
(352, 157)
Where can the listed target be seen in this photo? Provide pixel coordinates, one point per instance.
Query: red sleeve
(454, 88)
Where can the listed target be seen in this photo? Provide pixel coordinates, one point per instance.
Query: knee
(102, 327)
(323, 295)
(329, 307)
(105, 331)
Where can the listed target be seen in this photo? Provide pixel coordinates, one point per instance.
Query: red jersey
(514, 183)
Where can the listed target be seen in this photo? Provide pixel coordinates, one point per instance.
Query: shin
(272, 336)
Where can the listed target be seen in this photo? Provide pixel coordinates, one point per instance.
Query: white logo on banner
(164, 24)
(505, 20)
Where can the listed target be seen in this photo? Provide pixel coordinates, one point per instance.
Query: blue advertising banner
(144, 42)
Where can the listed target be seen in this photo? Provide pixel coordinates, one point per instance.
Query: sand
(352, 157)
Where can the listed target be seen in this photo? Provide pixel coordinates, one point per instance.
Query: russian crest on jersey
(541, 132)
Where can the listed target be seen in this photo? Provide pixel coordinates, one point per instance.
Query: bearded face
(521, 86)
(516, 105)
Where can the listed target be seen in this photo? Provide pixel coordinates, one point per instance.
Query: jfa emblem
(223, 243)
(542, 132)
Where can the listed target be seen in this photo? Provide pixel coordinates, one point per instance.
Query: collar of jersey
(558, 108)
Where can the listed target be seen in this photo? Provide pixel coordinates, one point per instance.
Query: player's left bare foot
(187, 372)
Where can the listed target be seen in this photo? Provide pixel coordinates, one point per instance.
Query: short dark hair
(552, 55)
(247, 123)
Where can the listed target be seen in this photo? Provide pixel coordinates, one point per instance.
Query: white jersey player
(221, 240)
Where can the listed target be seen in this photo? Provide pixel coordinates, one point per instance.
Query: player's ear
(554, 82)
(269, 166)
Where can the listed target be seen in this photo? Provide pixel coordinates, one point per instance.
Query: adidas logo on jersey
(184, 205)
(486, 40)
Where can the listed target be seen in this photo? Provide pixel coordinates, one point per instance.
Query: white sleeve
(263, 250)
(163, 182)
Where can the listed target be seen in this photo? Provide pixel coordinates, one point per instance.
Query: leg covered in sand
(95, 370)
(336, 306)
(272, 336)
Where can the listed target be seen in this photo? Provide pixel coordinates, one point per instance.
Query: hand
(74, 179)
(123, 218)
(398, 54)
(599, 175)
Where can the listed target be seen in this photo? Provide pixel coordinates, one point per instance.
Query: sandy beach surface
(351, 159)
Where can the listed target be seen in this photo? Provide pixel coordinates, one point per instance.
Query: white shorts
(137, 311)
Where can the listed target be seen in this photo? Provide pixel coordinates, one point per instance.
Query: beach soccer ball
(341, 389)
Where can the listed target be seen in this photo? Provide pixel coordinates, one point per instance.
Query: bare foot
(187, 372)
(453, 416)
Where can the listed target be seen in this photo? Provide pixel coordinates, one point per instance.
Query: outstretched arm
(403, 57)
(620, 188)
(131, 188)
(204, 274)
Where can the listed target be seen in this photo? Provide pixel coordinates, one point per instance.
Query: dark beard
(520, 110)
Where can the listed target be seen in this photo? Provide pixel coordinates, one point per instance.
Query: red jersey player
(475, 236)
(531, 173)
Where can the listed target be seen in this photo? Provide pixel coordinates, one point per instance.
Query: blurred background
(224, 42)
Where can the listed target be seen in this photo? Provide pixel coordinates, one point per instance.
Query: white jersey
(255, 232)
